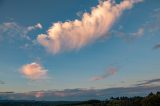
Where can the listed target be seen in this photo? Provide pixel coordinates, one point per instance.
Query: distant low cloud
(75, 34)
(34, 71)
(80, 94)
(39, 94)
(108, 73)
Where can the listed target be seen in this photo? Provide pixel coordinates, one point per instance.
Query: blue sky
(127, 54)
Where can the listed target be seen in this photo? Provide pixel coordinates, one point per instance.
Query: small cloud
(34, 71)
(157, 46)
(79, 13)
(139, 33)
(108, 73)
(37, 26)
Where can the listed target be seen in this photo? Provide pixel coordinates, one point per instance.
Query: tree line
(149, 100)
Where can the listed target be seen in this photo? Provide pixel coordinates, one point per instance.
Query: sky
(60, 49)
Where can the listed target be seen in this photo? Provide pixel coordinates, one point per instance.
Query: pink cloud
(34, 71)
(108, 73)
(78, 33)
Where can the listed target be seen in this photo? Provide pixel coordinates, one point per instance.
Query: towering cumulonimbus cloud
(78, 33)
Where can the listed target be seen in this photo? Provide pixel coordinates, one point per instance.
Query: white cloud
(79, 13)
(37, 26)
(34, 71)
(139, 33)
(78, 33)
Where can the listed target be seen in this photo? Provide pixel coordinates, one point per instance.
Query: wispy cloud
(128, 36)
(150, 27)
(78, 33)
(108, 73)
(149, 82)
(13, 30)
(34, 71)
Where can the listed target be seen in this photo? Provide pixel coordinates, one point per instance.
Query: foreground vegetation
(150, 100)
